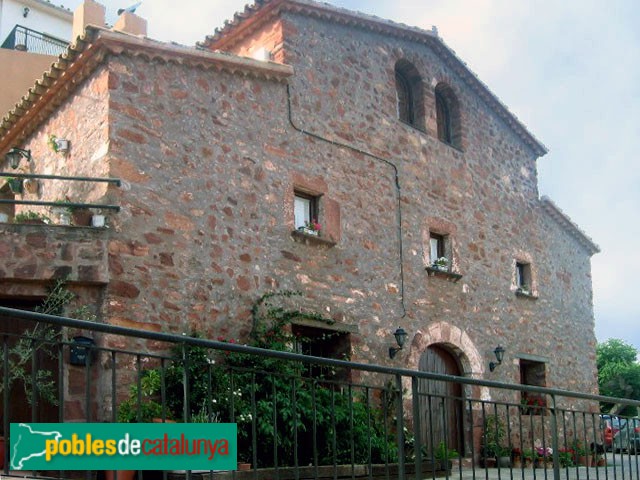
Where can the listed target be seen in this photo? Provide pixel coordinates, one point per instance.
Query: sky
(569, 70)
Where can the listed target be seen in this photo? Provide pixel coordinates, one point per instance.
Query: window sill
(530, 296)
(412, 126)
(315, 240)
(436, 272)
(459, 149)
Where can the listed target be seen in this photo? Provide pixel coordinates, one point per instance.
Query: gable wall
(484, 195)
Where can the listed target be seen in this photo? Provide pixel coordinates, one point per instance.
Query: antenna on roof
(130, 9)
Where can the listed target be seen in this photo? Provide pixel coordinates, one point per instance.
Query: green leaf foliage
(283, 409)
(618, 372)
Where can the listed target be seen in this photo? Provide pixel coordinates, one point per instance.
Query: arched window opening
(405, 100)
(409, 94)
(448, 116)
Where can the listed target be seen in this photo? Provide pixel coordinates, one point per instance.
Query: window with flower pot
(440, 262)
(305, 212)
(439, 251)
(533, 373)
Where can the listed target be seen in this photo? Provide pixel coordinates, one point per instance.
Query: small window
(436, 242)
(409, 94)
(533, 373)
(319, 342)
(305, 210)
(448, 116)
(438, 249)
(523, 277)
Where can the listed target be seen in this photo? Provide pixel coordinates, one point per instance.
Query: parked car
(610, 425)
(628, 437)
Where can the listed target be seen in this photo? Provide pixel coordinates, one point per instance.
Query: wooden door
(441, 412)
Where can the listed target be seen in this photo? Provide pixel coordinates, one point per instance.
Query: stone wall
(484, 196)
(210, 161)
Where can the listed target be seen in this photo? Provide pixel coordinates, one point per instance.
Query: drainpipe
(377, 158)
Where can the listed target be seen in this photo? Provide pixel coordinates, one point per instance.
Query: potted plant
(533, 404)
(581, 455)
(311, 228)
(492, 438)
(32, 218)
(62, 212)
(565, 457)
(15, 184)
(98, 220)
(149, 410)
(516, 457)
(443, 455)
(528, 457)
(524, 289)
(58, 145)
(504, 457)
(441, 264)
(544, 457)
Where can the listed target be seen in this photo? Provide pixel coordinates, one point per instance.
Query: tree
(618, 371)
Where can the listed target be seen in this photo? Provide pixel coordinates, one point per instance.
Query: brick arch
(453, 339)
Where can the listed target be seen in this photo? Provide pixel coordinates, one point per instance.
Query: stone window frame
(533, 373)
(524, 281)
(327, 210)
(314, 206)
(409, 89)
(445, 231)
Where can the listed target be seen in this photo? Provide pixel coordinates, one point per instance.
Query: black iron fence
(25, 39)
(297, 420)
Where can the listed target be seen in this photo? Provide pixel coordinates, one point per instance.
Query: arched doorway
(441, 404)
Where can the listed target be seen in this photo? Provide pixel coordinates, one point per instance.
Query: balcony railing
(23, 38)
(296, 424)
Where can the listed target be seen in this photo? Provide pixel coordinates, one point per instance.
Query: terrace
(300, 416)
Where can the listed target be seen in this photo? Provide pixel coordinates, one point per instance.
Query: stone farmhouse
(300, 113)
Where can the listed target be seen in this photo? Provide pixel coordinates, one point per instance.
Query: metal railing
(23, 38)
(388, 424)
(16, 182)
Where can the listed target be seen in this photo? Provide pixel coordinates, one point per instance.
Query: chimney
(87, 13)
(131, 23)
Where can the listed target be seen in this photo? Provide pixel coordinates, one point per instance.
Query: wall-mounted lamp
(499, 353)
(25, 12)
(401, 337)
(14, 156)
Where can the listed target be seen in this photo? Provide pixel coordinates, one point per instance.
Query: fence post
(417, 428)
(554, 439)
(400, 427)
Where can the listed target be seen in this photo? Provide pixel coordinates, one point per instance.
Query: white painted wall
(42, 17)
